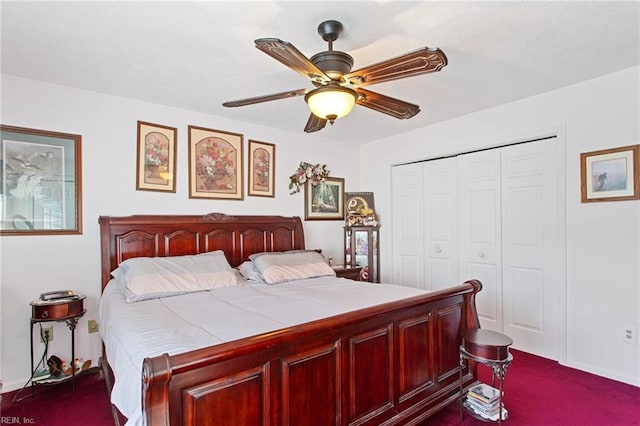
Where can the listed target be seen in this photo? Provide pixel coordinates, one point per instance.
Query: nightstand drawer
(56, 310)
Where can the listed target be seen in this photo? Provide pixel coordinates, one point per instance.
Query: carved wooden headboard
(161, 235)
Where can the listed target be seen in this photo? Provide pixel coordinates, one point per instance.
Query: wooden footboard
(395, 363)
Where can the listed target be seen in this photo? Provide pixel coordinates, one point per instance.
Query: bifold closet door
(492, 215)
(425, 248)
(434, 247)
(441, 224)
(530, 248)
(508, 239)
(408, 239)
(479, 231)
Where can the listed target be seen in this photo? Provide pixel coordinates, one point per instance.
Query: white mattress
(134, 331)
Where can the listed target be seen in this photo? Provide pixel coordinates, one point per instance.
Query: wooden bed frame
(395, 363)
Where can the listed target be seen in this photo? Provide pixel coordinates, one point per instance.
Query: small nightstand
(349, 272)
(68, 310)
(489, 348)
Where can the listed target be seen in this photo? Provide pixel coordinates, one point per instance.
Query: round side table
(488, 348)
(68, 310)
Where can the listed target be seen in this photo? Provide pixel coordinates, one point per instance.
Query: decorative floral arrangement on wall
(315, 173)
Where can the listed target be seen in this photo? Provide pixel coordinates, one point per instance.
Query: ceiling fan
(337, 88)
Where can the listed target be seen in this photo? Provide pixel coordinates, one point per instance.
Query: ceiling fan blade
(314, 124)
(266, 98)
(386, 104)
(287, 54)
(421, 61)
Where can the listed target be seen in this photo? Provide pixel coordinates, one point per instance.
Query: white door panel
(409, 267)
(411, 206)
(480, 231)
(530, 246)
(440, 231)
(524, 298)
(525, 213)
(408, 242)
(440, 273)
(489, 300)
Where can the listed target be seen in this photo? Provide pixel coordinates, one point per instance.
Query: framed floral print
(215, 164)
(262, 167)
(40, 182)
(324, 200)
(156, 159)
(610, 174)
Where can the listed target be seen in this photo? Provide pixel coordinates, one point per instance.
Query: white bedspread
(134, 331)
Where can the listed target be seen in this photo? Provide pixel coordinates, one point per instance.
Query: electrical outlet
(629, 333)
(93, 326)
(47, 333)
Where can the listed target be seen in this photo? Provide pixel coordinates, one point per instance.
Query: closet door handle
(481, 255)
(438, 250)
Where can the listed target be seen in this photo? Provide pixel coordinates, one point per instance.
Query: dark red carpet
(537, 392)
(58, 406)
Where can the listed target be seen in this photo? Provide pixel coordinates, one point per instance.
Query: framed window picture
(41, 182)
(262, 168)
(215, 164)
(156, 160)
(324, 201)
(610, 174)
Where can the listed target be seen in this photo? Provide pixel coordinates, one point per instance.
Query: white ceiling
(196, 55)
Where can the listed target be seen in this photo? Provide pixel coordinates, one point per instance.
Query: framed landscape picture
(262, 168)
(324, 201)
(215, 164)
(156, 158)
(610, 174)
(41, 182)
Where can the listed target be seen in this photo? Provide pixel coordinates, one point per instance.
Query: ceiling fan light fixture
(331, 102)
(337, 87)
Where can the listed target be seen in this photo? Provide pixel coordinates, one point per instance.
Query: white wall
(603, 249)
(30, 265)
(602, 239)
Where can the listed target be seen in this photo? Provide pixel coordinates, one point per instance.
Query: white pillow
(249, 272)
(153, 277)
(278, 267)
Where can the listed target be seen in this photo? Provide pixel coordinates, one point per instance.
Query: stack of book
(484, 401)
(41, 375)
